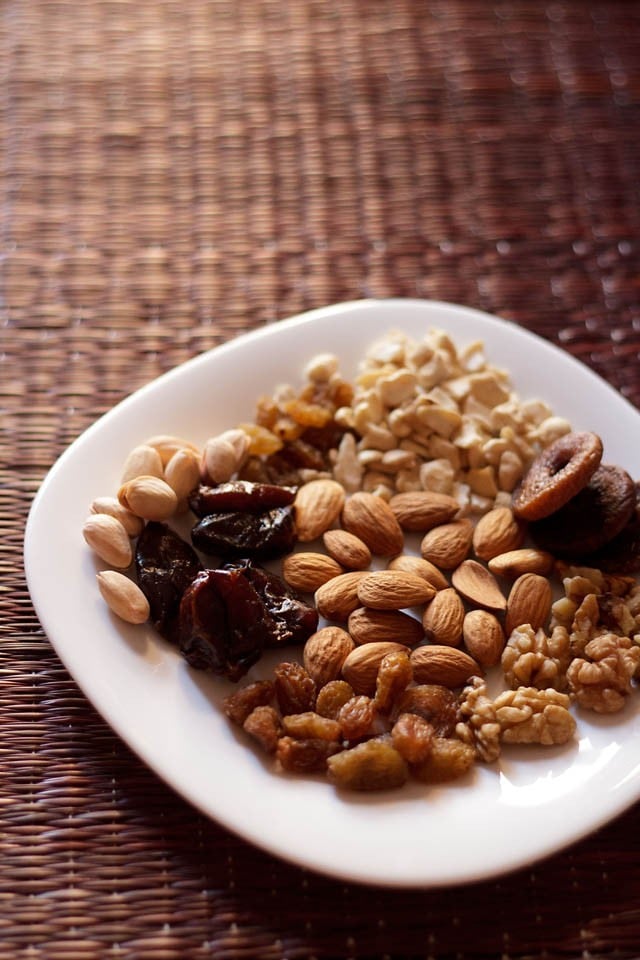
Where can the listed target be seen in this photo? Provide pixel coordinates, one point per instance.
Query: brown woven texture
(174, 173)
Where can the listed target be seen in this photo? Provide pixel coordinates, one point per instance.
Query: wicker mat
(177, 172)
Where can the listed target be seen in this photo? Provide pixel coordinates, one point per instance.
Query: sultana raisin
(432, 702)
(332, 697)
(412, 736)
(263, 724)
(357, 717)
(311, 726)
(239, 705)
(305, 756)
(295, 690)
(448, 760)
(394, 675)
(373, 765)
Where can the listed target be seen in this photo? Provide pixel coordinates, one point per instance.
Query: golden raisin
(307, 414)
(394, 675)
(356, 718)
(332, 697)
(263, 724)
(239, 705)
(448, 760)
(374, 765)
(412, 737)
(295, 690)
(305, 756)
(311, 726)
(432, 702)
(263, 441)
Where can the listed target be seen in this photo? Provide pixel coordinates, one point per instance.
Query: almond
(324, 653)
(360, 669)
(529, 602)
(182, 472)
(109, 539)
(372, 519)
(496, 532)
(393, 590)
(308, 571)
(421, 510)
(478, 585)
(317, 505)
(337, 598)
(448, 666)
(513, 563)
(142, 461)
(446, 546)
(166, 445)
(421, 568)
(148, 497)
(443, 618)
(123, 596)
(483, 637)
(132, 524)
(372, 626)
(349, 551)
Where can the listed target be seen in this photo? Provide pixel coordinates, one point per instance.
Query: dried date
(165, 566)
(235, 535)
(239, 496)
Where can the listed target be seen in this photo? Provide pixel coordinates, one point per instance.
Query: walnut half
(528, 715)
(601, 680)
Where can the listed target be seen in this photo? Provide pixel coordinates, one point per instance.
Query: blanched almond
(448, 666)
(337, 598)
(447, 546)
(109, 505)
(109, 539)
(143, 461)
(421, 510)
(443, 618)
(182, 472)
(317, 505)
(308, 571)
(148, 497)
(167, 444)
(349, 551)
(372, 519)
(360, 669)
(371, 626)
(393, 590)
(478, 585)
(123, 596)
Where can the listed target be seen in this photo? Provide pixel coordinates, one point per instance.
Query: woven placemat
(177, 172)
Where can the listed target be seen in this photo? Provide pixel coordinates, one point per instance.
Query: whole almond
(123, 596)
(372, 519)
(483, 637)
(108, 538)
(478, 585)
(324, 653)
(132, 524)
(372, 626)
(317, 505)
(360, 669)
(143, 461)
(420, 568)
(496, 532)
(219, 461)
(443, 618)
(148, 497)
(513, 563)
(338, 597)
(421, 510)
(166, 444)
(308, 571)
(393, 590)
(447, 546)
(448, 666)
(349, 551)
(529, 601)
(182, 472)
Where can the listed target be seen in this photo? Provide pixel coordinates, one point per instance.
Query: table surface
(177, 172)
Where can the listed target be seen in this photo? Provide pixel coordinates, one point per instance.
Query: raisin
(357, 717)
(311, 726)
(165, 566)
(394, 675)
(374, 765)
(239, 495)
(263, 724)
(432, 702)
(235, 534)
(295, 690)
(412, 737)
(305, 756)
(239, 705)
(332, 697)
(447, 760)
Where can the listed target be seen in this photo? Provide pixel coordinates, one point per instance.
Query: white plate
(538, 801)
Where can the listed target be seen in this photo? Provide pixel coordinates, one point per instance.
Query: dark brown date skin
(294, 620)
(239, 496)
(236, 535)
(165, 567)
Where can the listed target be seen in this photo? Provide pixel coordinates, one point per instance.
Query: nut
(483, 637)
(496, 532)
(371, 626)
(393, 590)
(478, 585)
(123, 596)
(372, 519)
(526, 560)
(437, 663)
(324, 653)
(447, 546)
(337, 598)
(132, 524)
(529, 602)
(167, 445)
(420, 568)
(360, 669)
(143, 461)
(443, 618)
(308, 571)
(109, 539)
(182, 472)
(317, 505)
(348, 550)
(421, 510)
(148, 497)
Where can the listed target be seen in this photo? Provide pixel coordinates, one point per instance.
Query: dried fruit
(239, 496)
(360, 669)
(443, 618)
(165, 567)
(311, 726)
(263, 724)
(372, 520)
(317, 505)
(478, 585)
(123, 596)
(332, 697)
(393, 590)
(448, 760)
(369, 626)
(412, 736)
(448, 666)
(305, 756)
(325, 652)
(395, 673)
(432, 702)
(260, 536)
(374, 765)
(357, 717)
(241, 703)
(295, 689)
